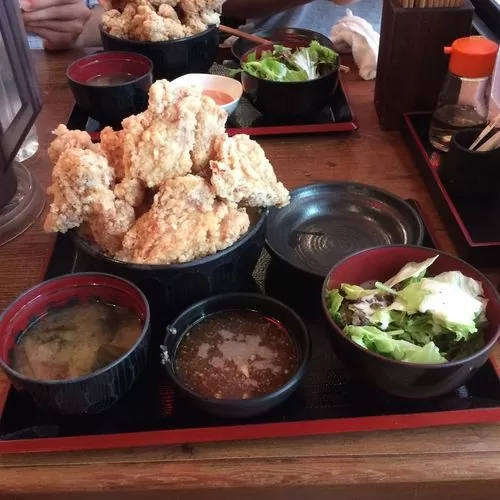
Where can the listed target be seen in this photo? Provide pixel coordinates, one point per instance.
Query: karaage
(186, 222)
(241, 173)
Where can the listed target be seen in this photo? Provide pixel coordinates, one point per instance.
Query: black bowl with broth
(110, 86)
(282, 342)
(180, 285)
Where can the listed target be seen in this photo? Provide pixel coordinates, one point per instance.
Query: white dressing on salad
(449, 303)
(412, 317)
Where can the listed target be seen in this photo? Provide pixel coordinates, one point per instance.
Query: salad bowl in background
(290, 99)
(283, 36)
(402, 378)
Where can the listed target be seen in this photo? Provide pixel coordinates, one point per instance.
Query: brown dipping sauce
(75, 341)
(220, 98)
(106, 81)
(236, 355)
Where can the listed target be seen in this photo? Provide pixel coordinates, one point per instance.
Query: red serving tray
(486, 409)
(337, 117)
(474, 230)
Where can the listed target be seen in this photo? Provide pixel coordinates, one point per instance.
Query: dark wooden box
(411, 64)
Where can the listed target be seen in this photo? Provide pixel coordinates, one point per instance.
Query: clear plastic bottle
(463, 101)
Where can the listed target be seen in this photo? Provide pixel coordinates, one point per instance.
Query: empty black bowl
(172, 58)
(109, 86)
(238, 302)
(180, 285)
(289, 100)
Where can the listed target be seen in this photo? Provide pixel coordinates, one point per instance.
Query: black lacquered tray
(336, 117)
(328, 401)
(473, 226)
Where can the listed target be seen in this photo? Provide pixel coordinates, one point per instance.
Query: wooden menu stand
(412, 65)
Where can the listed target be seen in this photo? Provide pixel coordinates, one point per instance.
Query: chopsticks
(257, 39)
(243, 34)
(493, 142)
(431, 4)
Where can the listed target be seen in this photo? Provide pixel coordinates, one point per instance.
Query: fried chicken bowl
(179, 36)
(170, 193)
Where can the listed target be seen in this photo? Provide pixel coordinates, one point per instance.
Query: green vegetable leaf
(283, 64)
(321, 54)
(412, 296)
(355, 292)
(385, 343)
(333, 302)
(411, 270)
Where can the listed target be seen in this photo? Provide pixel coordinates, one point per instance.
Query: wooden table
(456, 463)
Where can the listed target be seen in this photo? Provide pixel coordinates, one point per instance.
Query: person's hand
(58, 22)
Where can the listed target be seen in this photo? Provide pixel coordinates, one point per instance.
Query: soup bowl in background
(99, 390)
(408, 380)
(171, 58)
(110, 86)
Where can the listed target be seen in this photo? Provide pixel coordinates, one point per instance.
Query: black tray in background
(337, 117)
(473, 227)
(328, 398)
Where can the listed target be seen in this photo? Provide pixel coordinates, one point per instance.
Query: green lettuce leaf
(355, 292)
(283, 64)
(385, 343)
(321, 54)
(333, 302)
(411, 270)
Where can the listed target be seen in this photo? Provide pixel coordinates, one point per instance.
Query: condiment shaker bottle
(464, 98)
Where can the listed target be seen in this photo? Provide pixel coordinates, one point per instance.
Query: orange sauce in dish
(220, 98)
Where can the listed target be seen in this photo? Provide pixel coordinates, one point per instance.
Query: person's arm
(91, 36)
(243, 9)
(62, 24)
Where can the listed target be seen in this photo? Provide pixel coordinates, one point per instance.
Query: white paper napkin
(354, 34)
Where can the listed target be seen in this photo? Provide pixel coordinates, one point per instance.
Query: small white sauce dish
(215, 83)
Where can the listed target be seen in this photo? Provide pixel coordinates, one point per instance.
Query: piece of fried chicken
(152, 26)
(112, 147)
(82, 192)
(210, 127)
(198, 15)
(174, 135)
(185, 222)
(118, 22)
(80, 179)
(67, 139)
(241, 173)
(109, 221)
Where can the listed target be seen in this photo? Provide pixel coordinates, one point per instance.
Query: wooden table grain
(457, 463)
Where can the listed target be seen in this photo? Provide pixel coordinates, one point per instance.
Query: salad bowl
(291, 98)
(396, 365)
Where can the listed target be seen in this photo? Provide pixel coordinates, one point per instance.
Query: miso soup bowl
(110, 104)
(403, 379)
(99, 390)
(237, 408)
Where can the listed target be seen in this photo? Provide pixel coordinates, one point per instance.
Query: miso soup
(75, 341)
